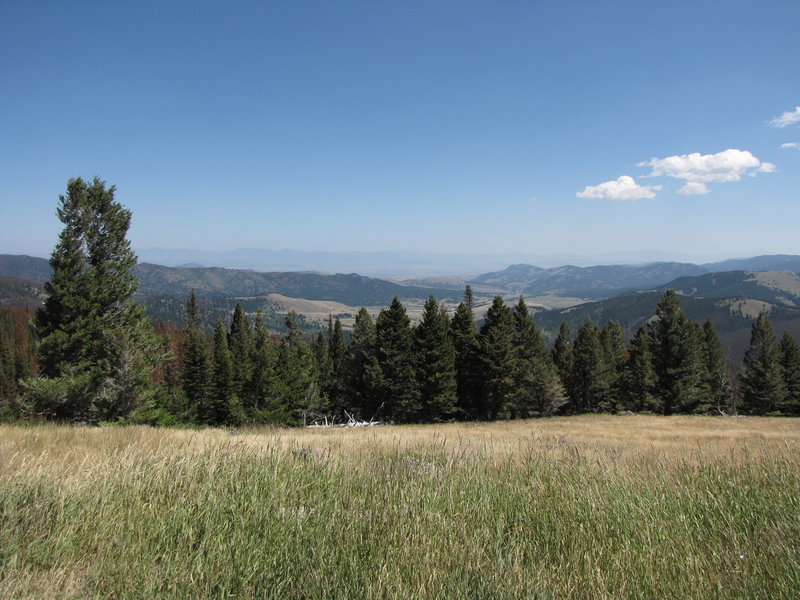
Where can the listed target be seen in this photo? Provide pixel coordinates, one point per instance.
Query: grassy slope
(588, 507)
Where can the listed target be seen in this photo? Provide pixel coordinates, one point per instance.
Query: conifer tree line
(98, 357)
(446, 368)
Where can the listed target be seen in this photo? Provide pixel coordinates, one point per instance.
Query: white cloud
(623, 188)
(790, 145)
(696, 168)
(694, 188)
(787, 118)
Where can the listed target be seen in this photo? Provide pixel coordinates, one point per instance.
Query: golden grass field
(577, 507)
(623, 439)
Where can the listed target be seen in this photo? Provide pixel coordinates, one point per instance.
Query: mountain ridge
(731, 299)
(605, 281)
(219, 282)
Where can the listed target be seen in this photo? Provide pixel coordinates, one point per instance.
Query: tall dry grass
(585, 507)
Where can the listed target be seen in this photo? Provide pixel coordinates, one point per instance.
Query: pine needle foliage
(762, 385)
(94, 340)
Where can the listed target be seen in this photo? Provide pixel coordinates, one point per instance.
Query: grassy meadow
(583, 507)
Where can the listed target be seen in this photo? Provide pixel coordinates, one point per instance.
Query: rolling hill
(774, 287)
(215, 282)
(768, 262)
(592, 283)
(163, 290)
(606, 281)
(731, 300)
(20, 292)
(350, 289)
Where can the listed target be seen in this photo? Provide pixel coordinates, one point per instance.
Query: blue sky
(463, 127)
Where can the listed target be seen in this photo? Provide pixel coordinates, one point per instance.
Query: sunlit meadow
(580, 507)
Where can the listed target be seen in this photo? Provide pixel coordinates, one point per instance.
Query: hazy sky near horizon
(549, 127)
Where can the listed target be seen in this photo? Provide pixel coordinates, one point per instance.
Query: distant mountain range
(394, 265)
(625, 293)
(605, 281)
(215, 282)
(374, 264)
(351, 289)
(711, 280)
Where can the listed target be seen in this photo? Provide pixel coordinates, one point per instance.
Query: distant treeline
(442, 369)
(90, 354)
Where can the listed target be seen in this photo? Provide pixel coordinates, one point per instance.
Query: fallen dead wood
(351, 422)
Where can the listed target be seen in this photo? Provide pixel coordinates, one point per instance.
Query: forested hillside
(731, 300)
(774, 287)
(593, 283)
(214, 282)
(604, 281)
(20, 292)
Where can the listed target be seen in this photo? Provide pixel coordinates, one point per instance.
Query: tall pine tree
(639, 378)
(336, 389)
(324, 370)
(435, 364)
(537, 386)
(762, 385)
(564, 360)
(790, 361)
(715, 371)
(676, 357)
(240, 342)
(363, 373)
(464, 334)
(615, 357)
(264, 406)
(497, 361)
(394, 351)
(196, 364)
(590, 376)
(225, 402)
(93, 338)
(298, 388)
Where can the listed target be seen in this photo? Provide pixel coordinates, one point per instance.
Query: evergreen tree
(564, 359)
(297, 389)
(94, 339)
(497, 360)
(338, 352)
(717, 380)
(224, 405)
(464, 334)
(240, 343)
(362, 372)
(676, 357)
(395, 354)
(263, 404)
(790, 361)
(196, 364)
(435, 364)
(615, 357)
(762, 384)
(537, 386)
(324, 370)
(639, 378)
(590, 377)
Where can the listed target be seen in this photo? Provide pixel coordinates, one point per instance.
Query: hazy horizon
(399, 265)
